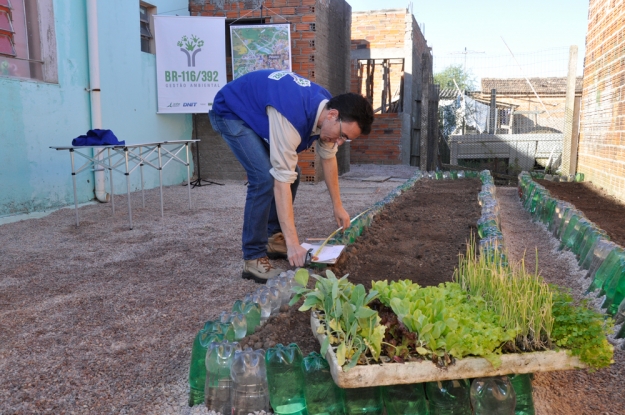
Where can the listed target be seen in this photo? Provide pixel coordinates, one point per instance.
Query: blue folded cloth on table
(97, 138)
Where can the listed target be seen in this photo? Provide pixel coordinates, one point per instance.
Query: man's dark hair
(353, 107)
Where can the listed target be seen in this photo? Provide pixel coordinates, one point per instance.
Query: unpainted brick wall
(378, 30)
(382, 145)
(389, 30)
(320, 52)
(601, 151)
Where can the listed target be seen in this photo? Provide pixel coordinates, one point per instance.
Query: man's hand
(342, 217)
(297, 255)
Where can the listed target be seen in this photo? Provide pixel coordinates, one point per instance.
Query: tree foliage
(464, 78)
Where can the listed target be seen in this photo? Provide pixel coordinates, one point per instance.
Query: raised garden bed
(426, 371)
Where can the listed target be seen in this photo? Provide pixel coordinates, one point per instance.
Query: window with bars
(145, 23)
(24, 50)
(7, 44)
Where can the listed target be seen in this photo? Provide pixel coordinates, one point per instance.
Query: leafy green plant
(347, 322)
(582, 331)
(447, 321)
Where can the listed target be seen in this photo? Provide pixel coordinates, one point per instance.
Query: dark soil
(417, 237)
(604, 210)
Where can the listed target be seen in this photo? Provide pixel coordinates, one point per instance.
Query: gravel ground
(100, 319)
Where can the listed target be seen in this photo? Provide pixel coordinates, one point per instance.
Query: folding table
(127, 158)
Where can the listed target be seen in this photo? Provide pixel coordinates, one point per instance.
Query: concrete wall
(320, 52)
(601, 151)
(36, 115)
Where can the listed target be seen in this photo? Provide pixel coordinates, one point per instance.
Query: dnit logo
(189, 104)
(188, 45)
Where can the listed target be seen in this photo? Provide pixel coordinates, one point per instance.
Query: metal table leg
(71, 156)
(128, 187)
(141, 170)
(111, 180)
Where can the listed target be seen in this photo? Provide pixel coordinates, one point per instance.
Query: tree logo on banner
(188, 45)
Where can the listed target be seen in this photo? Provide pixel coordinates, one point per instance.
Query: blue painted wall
(36, 115)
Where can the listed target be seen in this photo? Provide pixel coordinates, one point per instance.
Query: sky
(538, 32)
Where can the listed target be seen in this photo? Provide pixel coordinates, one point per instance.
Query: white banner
(190, 62)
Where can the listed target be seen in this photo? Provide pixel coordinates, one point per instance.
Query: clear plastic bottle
(218, 386)
(323, 396)
(283, 285)
(238, 321)
(285, 378)
(364, 401)
(249, 382)
(449, 397)
(522, 385)
(405, 399)
(492, 396)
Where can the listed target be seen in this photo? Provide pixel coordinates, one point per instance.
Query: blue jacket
(296, 98)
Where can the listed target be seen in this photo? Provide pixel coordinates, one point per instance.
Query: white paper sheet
(328, 255)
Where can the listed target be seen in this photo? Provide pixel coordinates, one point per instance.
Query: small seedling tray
(362, 376)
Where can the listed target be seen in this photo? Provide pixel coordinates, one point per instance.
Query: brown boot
(276, 247)
(259, 270)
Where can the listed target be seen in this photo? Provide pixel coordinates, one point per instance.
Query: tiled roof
(520, 86)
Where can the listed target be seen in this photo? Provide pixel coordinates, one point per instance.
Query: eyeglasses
(342, 138)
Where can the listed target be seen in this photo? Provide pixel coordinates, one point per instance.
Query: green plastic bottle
(285, 379)
(591, 238)
(364, 401)
(405, 399)
(522, 384)
(323, 396)
(599, 253)
(449, 397)
(251, 310)
(573, 240)
(570, 230)
(614, 288)
(197, 369)
(606, 269)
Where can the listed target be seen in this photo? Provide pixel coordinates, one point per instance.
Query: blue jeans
(260, 218)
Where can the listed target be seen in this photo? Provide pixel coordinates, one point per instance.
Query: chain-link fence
(504, 113)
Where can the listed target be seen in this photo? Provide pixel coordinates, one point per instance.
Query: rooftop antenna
(465, 52)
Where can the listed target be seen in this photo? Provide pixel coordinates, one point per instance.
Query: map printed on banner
(260, 47)
(190, 62)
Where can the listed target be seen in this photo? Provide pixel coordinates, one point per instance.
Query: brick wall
(377, 30)
(383, 145)
(394, 35)
(320, 52)
(601, 151)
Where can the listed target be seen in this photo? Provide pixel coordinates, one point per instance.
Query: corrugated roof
(448, 93)
(519, 85)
